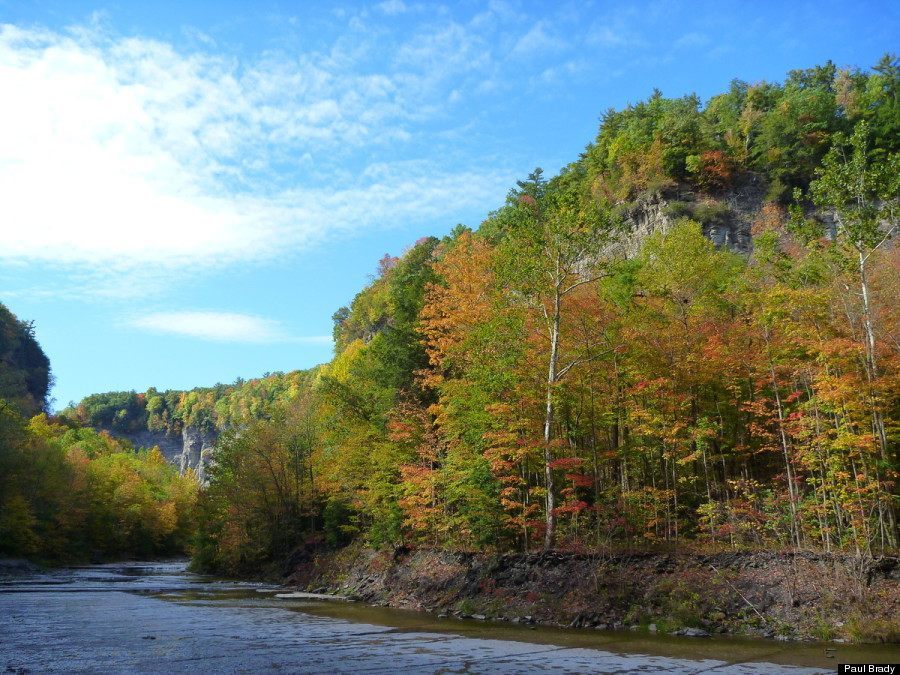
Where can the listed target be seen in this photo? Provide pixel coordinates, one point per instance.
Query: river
(160, 618)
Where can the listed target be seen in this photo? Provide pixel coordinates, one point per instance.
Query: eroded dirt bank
(776, 595)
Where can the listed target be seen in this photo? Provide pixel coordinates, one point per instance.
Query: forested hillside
(208, 408)
(525, 385)
(534, 383)
(69, 493)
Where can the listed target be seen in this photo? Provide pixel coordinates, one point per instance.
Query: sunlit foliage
(69, 493)
(532, 384)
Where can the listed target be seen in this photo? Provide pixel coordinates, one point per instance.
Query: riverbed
(160, 618)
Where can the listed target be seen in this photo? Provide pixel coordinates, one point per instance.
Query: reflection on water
(157, 617)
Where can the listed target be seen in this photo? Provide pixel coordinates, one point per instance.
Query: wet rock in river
(692, 632)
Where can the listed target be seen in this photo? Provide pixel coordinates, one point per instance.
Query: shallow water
(157, 617)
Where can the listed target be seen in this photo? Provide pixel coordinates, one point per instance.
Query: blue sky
(189, 190)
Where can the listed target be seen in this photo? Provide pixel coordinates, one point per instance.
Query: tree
(551, 251)
(24, 368)
(864, 197)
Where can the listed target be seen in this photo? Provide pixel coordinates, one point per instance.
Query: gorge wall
(192, 449)
(197, 449)
(726, 220)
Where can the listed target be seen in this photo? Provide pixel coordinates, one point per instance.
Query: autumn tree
(864, 197)
(552, 248)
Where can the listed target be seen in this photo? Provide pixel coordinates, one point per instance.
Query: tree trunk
(795, 528)
(871, 364)
(550, 533)
(885, 511)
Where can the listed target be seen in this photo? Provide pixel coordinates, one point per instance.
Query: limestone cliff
(726, 218)
(197, 448)
(169, 444)
(191, 449)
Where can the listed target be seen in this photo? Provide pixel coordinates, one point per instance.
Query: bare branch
(875, 248)
(583, 282)
(577, 362)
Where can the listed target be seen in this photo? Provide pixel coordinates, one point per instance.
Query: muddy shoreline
(773, 595)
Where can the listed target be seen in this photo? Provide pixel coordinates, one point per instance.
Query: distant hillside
(185, 425)
(204, 408)
(71, 494)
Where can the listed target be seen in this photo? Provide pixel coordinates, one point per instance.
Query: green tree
(550, 252)
(25, 377)
(863, 195)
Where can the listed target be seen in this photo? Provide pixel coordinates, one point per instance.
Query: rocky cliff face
(726, 220)
(169, 444)
(197, 449)
(192, 449)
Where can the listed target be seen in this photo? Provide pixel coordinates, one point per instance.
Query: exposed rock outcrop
(170, 445)
(197, 448)
(192, 449)
(726, 219)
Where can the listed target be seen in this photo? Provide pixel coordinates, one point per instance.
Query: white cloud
(691, 40)
(537, 42)
(392, 7)
(450, 49)
(221, 327)
(561, 73)
(618, 29)
(607, 37)
(119, 154)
